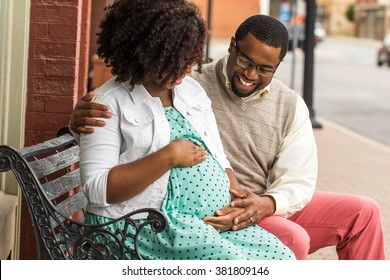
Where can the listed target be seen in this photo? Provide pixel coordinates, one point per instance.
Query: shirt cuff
(281, 204)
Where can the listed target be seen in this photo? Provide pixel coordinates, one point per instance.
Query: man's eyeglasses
(245, 63)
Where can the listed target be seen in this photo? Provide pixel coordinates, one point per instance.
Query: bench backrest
(48, 174)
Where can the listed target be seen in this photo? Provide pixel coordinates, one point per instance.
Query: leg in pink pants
(349, 222)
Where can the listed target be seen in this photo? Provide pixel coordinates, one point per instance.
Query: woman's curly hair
(151, 40)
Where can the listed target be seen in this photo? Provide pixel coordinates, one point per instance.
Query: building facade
(330, 13)
(372, 18)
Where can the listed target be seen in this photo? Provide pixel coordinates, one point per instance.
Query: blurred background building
(372, 18)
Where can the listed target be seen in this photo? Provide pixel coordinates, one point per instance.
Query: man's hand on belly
(256, 208)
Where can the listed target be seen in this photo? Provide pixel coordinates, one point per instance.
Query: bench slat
(62, 185)
(51, 164)
(47, 146)
(72, 204)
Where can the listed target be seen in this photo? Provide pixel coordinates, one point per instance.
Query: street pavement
(353, 164)
(348, 163)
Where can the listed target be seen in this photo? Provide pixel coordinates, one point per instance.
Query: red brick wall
(57, 71)
(54, 75)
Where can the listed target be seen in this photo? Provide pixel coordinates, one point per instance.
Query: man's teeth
(245, 83)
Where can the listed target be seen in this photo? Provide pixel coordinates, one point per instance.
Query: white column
(14, 41)
(264, 6)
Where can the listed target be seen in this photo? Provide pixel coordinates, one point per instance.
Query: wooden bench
(48, 175)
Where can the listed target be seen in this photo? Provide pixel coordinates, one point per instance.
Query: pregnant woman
(161, 147)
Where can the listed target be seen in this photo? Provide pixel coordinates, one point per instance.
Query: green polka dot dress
(193, 193)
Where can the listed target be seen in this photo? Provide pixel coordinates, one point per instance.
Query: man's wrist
(273, 202)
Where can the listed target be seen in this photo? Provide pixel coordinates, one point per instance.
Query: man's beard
(235, 90)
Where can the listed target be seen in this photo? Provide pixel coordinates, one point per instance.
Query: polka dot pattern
(193, 193)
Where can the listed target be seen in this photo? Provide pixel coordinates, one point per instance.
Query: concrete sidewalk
(350, 163)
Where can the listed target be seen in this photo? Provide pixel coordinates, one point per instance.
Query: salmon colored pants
(351, 223)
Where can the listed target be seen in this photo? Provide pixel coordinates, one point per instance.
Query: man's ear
(232, 44)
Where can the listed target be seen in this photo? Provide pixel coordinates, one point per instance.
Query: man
(267, 135)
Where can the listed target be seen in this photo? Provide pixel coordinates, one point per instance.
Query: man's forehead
(254, 48)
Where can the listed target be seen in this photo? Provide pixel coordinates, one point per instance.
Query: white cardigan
(138, 127)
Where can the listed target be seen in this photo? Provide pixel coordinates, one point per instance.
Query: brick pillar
(84, 50)
(57, 70)
(97, 14)
(99, 71)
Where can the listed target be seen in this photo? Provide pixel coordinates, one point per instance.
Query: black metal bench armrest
(48, 175)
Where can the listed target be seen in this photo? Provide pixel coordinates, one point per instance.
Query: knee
(368, 208)
(298, 241)
(370, 204)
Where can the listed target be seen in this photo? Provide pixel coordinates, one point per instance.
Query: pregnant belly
(198, 190)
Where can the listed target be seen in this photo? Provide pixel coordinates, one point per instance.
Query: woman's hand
(224, 219)
(185, 153)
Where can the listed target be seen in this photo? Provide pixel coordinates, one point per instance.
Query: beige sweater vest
(252, 131)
